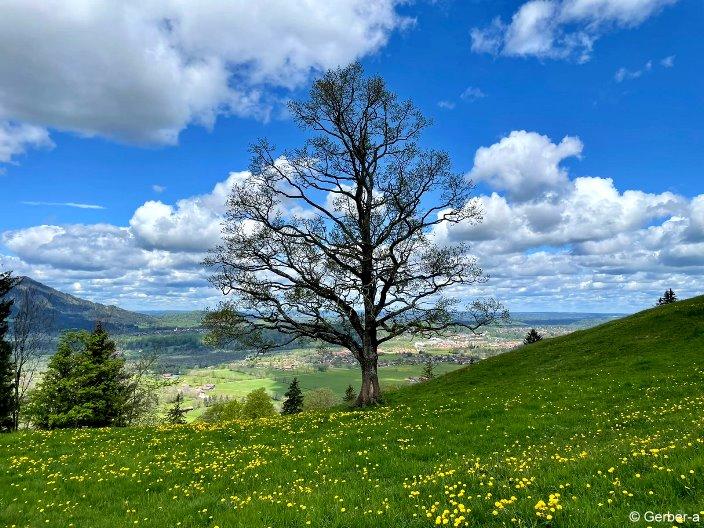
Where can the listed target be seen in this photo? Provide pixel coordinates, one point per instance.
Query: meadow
(236, 383)
(575, 431)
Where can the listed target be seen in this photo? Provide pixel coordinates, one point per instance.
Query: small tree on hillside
(428, 369)
(293, 404)
(145, 389)
(176, 415)
(668, 298)
(532, 337)
(319, 399)
(350, 394)
(7, 378)
(335, 241)
(222, 411)
(85, 384)
(258, 404)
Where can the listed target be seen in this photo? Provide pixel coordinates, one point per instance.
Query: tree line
(258, 404)
(87, 382)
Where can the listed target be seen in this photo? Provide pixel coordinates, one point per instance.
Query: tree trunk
(369, 394)
(16, 407)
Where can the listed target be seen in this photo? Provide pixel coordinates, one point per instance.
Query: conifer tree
(7, 392)
(668, 298)
(177, 414)
(293, 404)
(429, 369)
(350, 394)
(532, 337)
(85, 385)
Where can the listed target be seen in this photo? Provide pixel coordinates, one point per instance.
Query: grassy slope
(610, 418)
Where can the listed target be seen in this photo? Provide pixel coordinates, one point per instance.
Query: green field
(577, 431)
(238, 383)
(232, 383)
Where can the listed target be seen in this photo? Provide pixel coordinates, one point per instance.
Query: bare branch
(336, 241)
(30, 334)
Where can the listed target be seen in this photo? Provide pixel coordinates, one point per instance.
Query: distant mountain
(69, 312)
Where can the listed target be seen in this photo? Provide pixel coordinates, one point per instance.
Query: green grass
(232, 383)
(611, 419)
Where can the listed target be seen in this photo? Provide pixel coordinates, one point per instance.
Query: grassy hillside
(576, 431)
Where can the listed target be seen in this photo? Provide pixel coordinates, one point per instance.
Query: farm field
(576, 431)
(231, 383)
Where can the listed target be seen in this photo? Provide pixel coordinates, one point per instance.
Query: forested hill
(69, 312)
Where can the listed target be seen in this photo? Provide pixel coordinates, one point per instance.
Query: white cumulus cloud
(16, 138)
(140, 71)
(577, 236)
(560, 29)
(192, 224)
(472, 93)
(550, 239)
(525, 163)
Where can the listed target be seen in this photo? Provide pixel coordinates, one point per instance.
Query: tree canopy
(258, 404)
(338, 240)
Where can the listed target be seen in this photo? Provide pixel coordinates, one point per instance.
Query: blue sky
(554, 91)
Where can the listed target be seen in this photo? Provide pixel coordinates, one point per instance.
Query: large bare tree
(335, 241)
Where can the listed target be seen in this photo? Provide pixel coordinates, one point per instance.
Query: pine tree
(532, 337)
(107, 377)
(429, 369)
(85, 385)
(350, 394)
(177, 414)
(7, 382)
(668, 298)
(293, 404)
